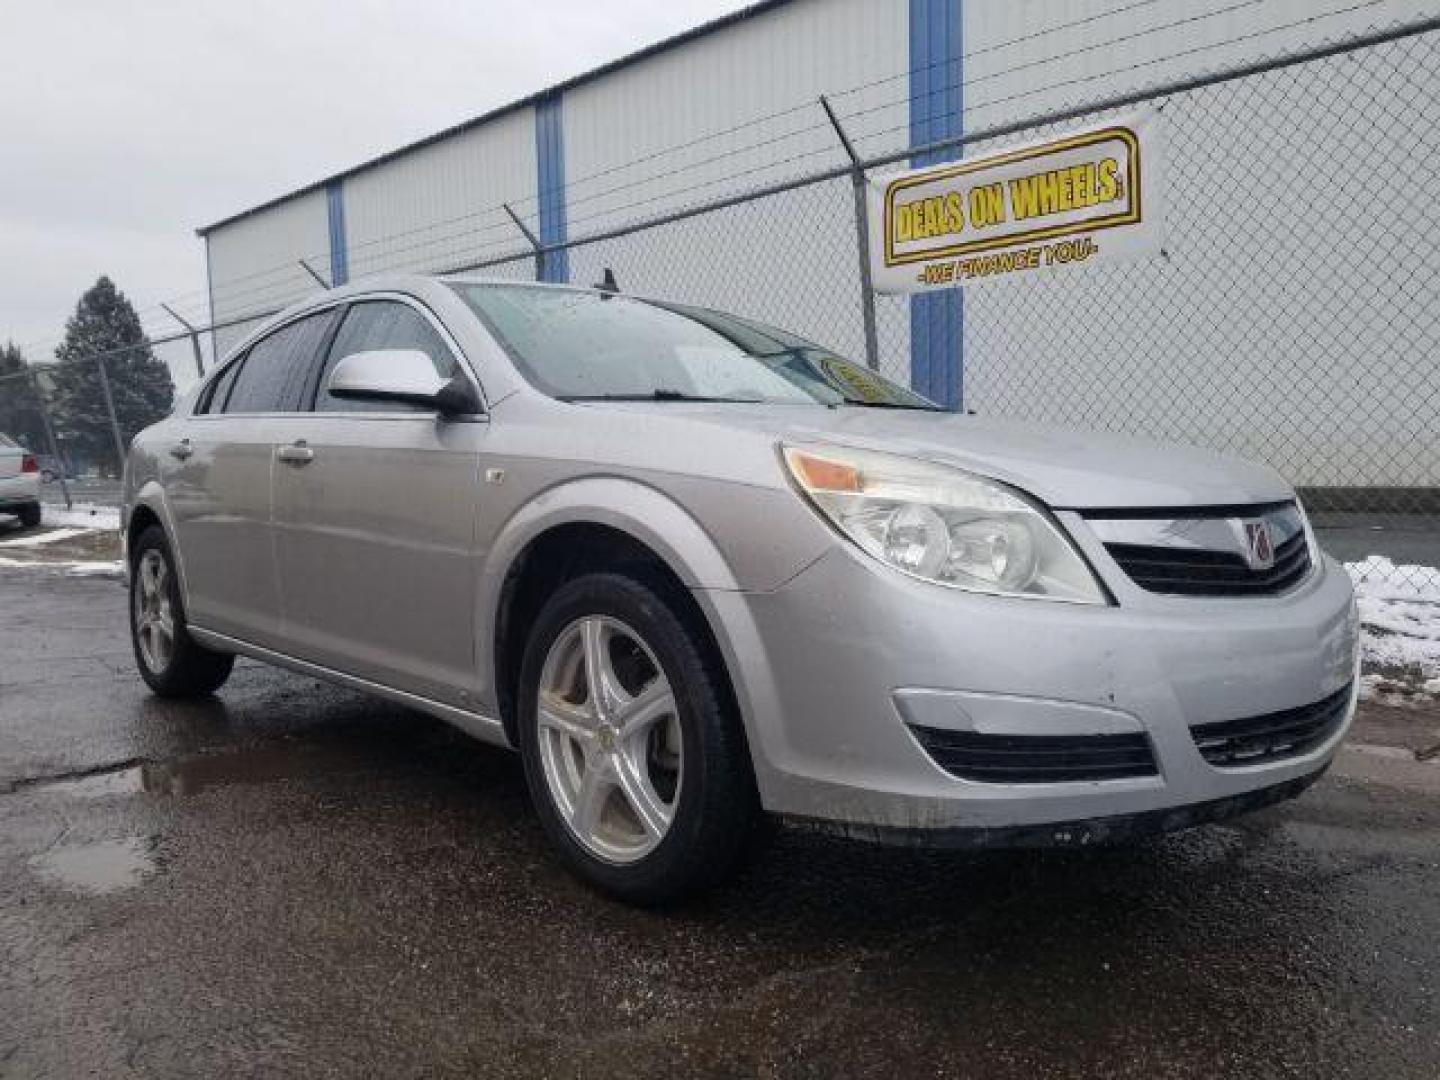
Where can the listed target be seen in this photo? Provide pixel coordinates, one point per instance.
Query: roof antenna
(609, 285)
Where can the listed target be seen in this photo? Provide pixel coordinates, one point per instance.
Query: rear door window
(273, 373)
(382, 324)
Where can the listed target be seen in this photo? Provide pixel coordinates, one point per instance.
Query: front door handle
(182, 450)
(297, 453)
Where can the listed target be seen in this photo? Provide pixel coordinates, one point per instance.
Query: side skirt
(473, 724)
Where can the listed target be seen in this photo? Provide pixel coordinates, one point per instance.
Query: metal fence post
(110, 408)
(533, 241)
(194, 340)
(50, 437)
(862, 238)
(309, 270)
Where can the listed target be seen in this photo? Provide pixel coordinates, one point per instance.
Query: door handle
(297, 453)
(182, 450)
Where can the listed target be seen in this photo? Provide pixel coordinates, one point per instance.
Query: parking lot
(294, 877)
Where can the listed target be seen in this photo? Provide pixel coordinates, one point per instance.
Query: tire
(181, 668)
(29, 515)
(691, 765)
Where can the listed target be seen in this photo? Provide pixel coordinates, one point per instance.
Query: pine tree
(105, 324)
(19, 414)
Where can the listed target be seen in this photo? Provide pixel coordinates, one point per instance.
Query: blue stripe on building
(335, 210)
(937, 320)
(550, 186)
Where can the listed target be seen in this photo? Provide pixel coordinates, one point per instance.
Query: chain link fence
(1294, 317)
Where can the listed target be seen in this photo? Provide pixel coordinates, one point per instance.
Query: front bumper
(826, 664)
(1117, 828)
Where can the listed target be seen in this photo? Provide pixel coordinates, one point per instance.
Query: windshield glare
(579, 345)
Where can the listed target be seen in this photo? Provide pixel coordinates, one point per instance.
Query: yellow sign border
(1128, 217)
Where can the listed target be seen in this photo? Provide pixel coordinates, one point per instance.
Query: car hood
(1065, 468)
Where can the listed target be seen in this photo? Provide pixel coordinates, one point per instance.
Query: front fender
(636, 509)
(676, 536)
(644, 512)
(629, 506)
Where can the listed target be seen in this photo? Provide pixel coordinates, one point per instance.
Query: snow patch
(1400, 627)
(77, 568)
(82, 514)
(36, 539)
(114, 569)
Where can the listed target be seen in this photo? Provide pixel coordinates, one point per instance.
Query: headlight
(942, 524)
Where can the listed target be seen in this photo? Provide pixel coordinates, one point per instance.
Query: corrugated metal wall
(1029, 57)
(1247, 332)
(618, 130)
(254, 262)
(439, 206)
(727, 112)
(737, 108)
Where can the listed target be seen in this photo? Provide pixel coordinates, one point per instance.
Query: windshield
(588, 346)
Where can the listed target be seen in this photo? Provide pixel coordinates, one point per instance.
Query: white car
(19, 482)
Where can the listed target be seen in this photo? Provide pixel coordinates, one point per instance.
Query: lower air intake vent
(1036, 759)
(1275, 736)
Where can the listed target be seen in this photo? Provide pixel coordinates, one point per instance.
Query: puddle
(189, 776)
(105, 866)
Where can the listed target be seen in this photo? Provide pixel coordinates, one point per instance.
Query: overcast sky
(125, 124)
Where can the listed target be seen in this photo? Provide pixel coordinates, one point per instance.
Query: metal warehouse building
(734, 106)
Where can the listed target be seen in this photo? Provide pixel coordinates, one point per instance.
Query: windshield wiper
(658, 395)
(890, 405)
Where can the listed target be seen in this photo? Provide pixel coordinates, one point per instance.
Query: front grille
(1193, 572)
(1036, 759)
(1275, 736)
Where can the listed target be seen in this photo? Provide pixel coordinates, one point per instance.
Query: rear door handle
(182, 449)
(297, 453)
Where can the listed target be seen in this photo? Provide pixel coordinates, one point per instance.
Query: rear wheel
(171, 662)
(634, 758)
(29, 515)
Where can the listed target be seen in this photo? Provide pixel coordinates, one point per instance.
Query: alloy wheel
(154, 617)
(610, 740)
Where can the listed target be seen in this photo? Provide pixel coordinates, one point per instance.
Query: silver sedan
(698, 570)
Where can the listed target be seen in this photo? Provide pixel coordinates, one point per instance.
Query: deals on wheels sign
(1089, 196)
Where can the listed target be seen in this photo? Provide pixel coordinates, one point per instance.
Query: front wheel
(172, 663)
(635, 760)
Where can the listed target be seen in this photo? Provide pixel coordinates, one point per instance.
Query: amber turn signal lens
(822, 474)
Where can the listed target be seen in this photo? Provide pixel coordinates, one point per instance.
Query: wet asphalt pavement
(294, 879)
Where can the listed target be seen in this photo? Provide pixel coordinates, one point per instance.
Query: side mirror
(404, 376)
